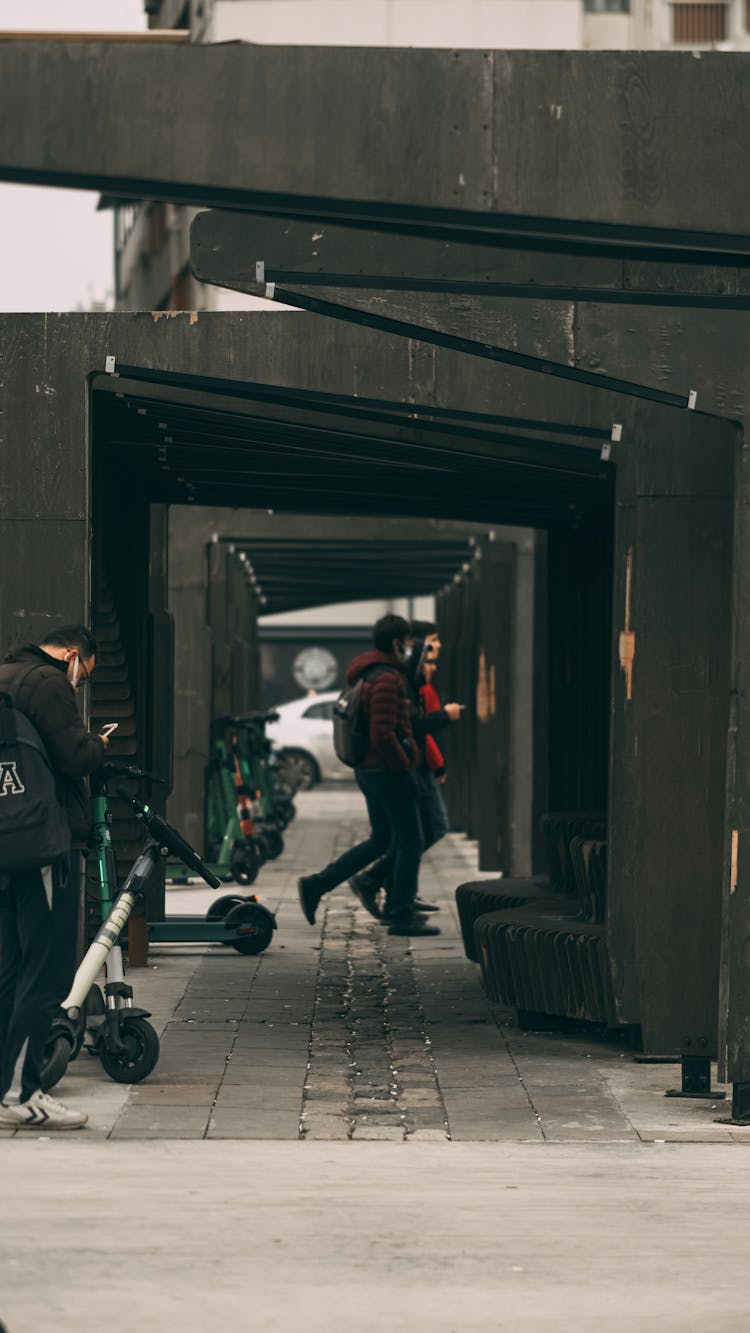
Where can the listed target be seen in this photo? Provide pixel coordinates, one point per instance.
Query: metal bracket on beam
(696, 1080)
(692, 399)
(740, 1106)
(260, 270)
(615, 437)
(270, 291)
(109, 365)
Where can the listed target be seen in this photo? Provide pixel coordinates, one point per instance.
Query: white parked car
(303, 738)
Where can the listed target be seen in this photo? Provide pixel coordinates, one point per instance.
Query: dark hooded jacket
(425, 721)
(388, 709)
(47, 699)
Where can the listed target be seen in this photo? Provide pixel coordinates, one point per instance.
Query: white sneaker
(40, 1112)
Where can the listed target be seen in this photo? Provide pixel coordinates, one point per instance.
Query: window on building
(157, 227)
(698, 23)
(321, 712)
(608, 6)
(180, 294)
(124, 222)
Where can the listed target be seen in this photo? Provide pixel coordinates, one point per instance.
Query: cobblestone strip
(371, 1074)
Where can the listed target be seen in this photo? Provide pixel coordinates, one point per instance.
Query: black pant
(38, 938)
(394, 822)
(435, 825)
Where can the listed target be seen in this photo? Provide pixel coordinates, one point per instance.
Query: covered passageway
(523, 395)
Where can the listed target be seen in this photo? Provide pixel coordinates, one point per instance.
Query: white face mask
(75, 672)
(402, 651)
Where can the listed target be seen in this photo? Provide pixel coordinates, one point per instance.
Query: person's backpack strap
(19, 679)
(10, 696)
(378, 669)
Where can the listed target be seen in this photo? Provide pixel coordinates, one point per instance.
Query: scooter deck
(188, 930)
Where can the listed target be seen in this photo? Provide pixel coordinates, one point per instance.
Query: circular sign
(315, 669)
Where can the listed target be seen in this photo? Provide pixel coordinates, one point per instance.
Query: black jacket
(48, 700)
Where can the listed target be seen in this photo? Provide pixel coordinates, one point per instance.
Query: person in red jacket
(432, 716)
(387, 780)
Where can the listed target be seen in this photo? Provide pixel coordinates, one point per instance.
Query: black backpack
(34, 829)
(351, 736)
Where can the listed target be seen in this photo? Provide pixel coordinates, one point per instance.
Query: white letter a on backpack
(10, 783)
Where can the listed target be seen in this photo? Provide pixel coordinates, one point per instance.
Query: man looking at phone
(39, 908)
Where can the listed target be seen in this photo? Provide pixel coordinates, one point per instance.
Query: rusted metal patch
(627, 637)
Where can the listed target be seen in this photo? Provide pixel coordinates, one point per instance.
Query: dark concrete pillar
(44, 514)
(670, 689)
(192, 680)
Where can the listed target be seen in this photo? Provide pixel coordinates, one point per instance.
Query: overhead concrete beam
(625, 140)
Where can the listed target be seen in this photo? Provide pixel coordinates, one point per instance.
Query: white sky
(57, 250)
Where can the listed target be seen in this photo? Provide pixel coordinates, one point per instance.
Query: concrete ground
(342, 1131)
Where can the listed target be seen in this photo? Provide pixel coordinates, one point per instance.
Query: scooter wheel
(253, 925)
(57, 1055)
(139, 1056)
(218, 910)
(246, 865)
(272, 840)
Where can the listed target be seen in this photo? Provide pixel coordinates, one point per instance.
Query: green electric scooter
(246, 806)
(104, 1021)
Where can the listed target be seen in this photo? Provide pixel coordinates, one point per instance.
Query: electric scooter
(106, 1022)
(236, 855)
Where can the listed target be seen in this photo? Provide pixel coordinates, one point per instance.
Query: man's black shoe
(367, 894)
(310, 894)
(411, 925)
(419, 906)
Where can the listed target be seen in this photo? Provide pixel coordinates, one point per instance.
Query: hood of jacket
(29, 652)
(373, 657)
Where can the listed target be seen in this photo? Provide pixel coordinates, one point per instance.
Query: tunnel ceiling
(184, 439)
(289, 574)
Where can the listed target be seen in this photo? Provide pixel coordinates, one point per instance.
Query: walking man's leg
(408, 842)
(435, 825)
(312, 887)
(10, 958)
(433, 813)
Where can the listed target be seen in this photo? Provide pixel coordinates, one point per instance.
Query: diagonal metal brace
(486, 351)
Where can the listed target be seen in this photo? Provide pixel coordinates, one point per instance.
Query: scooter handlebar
(168, 837)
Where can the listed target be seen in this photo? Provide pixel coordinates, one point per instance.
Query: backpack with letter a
(34, 829)
(351, 738)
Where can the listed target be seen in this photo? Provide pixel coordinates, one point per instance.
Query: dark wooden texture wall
(478, 627)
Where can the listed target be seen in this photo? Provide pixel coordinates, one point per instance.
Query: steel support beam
(238, 251)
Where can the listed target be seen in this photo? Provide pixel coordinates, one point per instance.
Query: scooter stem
(112, 927)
